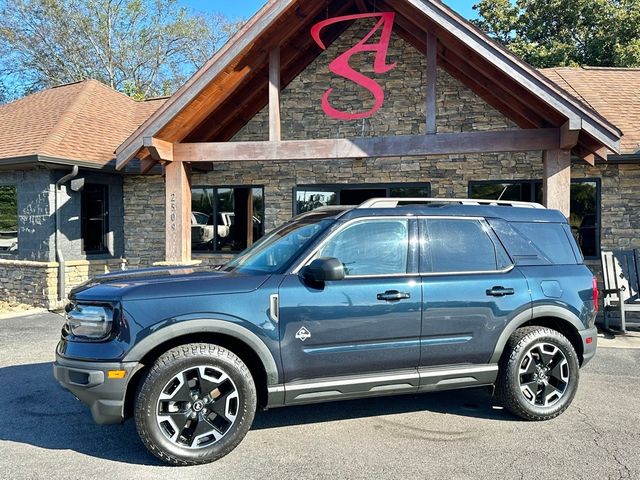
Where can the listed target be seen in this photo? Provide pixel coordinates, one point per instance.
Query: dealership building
(310, 104)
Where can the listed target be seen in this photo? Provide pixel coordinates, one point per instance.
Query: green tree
(141, 47)
(550, 33)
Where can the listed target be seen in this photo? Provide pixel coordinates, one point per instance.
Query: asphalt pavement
(46, 433)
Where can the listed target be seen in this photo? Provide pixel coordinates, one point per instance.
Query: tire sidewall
(170, 365)
(559, 341)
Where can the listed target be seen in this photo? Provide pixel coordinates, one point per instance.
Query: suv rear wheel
(539, 374)
(195, 405)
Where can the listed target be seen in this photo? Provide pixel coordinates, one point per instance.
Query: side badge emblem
(303, 334)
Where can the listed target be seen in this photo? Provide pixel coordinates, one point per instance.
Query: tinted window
(371, 247)
(461, 246)
(220, 221)
(550, 239)
(584, 216)
(95, 218)
(8, 219)
(521, 249)
(310, 197)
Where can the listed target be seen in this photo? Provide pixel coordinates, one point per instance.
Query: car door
(470, 289)
(367, 323)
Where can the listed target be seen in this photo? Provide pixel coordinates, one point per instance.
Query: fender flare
(539, 311)
(188, 327)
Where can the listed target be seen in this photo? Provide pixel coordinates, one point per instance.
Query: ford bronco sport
(395, 296)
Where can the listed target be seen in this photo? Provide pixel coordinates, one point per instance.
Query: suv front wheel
(195, 404)
(539, 374)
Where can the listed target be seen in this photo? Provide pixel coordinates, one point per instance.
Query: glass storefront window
(310, 197)
(8, 219)
(220, 218)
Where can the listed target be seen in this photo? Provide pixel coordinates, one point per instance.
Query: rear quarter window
(550, 239)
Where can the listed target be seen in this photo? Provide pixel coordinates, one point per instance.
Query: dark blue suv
(395, 296)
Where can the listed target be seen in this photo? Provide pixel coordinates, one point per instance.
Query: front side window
(8, 219)
(457, 246)
(226, 219)
(585, 205)
(371, 247)
(95, 218)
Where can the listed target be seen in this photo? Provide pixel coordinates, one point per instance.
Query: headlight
(90, 321)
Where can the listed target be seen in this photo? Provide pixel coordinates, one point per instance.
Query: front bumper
(90, 383)
(589, 349)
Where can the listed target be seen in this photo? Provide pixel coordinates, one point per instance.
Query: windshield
(275, 252)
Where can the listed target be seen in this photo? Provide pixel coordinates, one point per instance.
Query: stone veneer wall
(459, 109)
(144, 220)
(36, 283)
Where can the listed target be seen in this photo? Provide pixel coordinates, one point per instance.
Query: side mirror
(323, 270)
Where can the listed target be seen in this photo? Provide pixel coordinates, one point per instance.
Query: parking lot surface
(46, 433)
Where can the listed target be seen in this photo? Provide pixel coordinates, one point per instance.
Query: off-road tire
(508, 384)
(164, 369)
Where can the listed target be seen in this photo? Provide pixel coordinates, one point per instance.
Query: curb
(26, 313)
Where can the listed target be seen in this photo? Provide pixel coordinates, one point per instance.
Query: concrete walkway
(615, 339)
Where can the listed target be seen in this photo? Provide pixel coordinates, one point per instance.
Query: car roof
(508, 213)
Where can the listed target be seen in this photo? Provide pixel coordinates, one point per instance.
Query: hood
(164, 282)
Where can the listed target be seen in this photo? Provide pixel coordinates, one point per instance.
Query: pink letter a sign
(340, 66)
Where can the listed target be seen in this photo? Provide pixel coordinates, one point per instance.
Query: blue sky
(246, 8)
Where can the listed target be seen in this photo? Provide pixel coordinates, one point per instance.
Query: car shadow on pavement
(38, 412)
(476, 403)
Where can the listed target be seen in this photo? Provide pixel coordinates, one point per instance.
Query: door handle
(393, 296)
(500, 291)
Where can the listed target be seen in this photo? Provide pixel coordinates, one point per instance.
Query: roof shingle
(84, 122)
(612, 92)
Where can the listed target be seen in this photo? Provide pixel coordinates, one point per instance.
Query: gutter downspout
(59, 255)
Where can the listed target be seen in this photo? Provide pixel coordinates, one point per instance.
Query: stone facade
(36, 283)
(144, 220)
(459, 109)
(30, 274)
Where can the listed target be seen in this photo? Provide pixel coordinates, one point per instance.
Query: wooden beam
(431, 80)
(585, 155)
(502, 101)
(178, 212)
(223, 123)
(160, 150)
(569, 134)
(372, 147)
(147, 165)
(602, 152)
(557, 180)
(275, 125)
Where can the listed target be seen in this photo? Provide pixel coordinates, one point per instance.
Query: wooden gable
(234, 85)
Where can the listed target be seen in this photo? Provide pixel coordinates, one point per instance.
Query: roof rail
(394, 202)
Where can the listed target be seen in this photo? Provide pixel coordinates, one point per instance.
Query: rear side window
(551, 239)
(458, 245)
